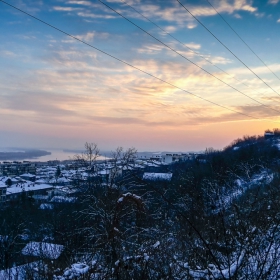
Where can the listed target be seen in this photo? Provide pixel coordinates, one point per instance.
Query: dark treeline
(218, 218)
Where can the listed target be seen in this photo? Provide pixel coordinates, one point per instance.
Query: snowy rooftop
(103, 172)
(41, 181)
(59, 180)
(62, 199)
(66, 189)
(43, 249)
(46, 206)
(157, 176)
(4, 178)
(27, 187)
(27, 175)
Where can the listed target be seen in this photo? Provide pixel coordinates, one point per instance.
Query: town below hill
(212, 215)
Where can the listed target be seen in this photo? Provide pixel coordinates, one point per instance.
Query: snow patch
(156, 244)
(43, 249)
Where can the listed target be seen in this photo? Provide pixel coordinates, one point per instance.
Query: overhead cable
(197, 53)
(209, 73)
(132, 66)
(205, 27)
(242, 40)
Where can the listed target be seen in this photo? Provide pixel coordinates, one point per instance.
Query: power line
(161, 42)
(183, 44)
(197, 53)
(242, 40)
(132, 66)
(227, 47)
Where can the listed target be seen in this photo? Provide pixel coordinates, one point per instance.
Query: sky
(188, 82)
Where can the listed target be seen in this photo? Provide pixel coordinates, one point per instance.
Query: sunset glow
(58, 92)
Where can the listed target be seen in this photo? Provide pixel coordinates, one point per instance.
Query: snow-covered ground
(227, 196)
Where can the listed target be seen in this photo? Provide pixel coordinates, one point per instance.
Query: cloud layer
(58, 87)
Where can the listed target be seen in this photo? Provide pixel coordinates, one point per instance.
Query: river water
(56, 154)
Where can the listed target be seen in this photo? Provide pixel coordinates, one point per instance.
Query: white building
(169, 158)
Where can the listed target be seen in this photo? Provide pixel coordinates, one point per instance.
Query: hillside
(215, 216)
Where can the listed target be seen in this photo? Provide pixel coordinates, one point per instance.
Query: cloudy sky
(199, 90)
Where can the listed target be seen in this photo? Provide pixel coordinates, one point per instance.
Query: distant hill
(24, 154)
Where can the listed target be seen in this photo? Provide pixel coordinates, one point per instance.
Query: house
(62, 181)
(53, 162)
(15, 192)
(170, 158)
(149, 176)
(129, 171)
(63, 199)
(16, 168)
(268, 135)
(110, 174)
(156, 157)
(151, 166)
(3, 192)
(28, 176)
(63, 191)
